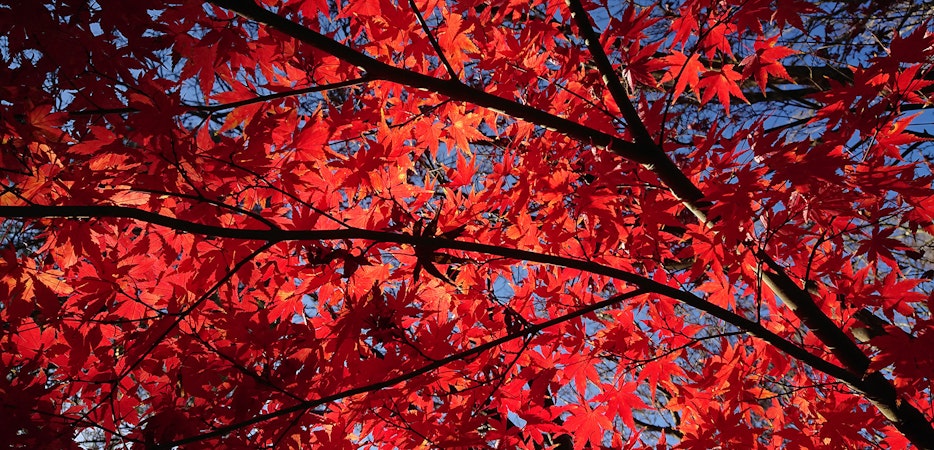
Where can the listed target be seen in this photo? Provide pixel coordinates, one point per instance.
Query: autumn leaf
(765, 62)
(723, 84)
(685, 71)
(284, 224)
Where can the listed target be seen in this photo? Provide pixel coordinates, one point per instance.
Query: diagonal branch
(666, 170)
(617, 90)
(880, 391)
(434, 42)
(822, 326)
(309, 404)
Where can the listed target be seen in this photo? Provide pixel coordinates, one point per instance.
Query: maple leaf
(457, 42)
(914, 48)
(879, 247)
(44, 122)
(463, 130)
(686, 23)
(462, 174)
(31, 339)
(723, 84)
(587, 425)
(906, 353)
(282, 224)
(792, 11)
(765, 62)
(686, 70)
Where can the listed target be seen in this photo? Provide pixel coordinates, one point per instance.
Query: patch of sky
(502, 288)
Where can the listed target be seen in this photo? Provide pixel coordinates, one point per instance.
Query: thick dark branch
(278, 235)
(450, 88)
(664, 168)
(617, 90)
(874, 386)
(822, 326)
(660, 163)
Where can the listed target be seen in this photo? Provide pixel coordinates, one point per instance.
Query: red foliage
(422, 224)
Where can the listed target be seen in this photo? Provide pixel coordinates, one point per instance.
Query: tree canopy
(474, 224)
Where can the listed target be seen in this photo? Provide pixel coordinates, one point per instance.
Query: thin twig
(210, 109)
(306, 405)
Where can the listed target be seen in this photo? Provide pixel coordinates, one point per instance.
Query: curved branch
(279, 235)
(874, 386)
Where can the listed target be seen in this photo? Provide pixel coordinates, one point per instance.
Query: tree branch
(434, 42)
(664, 168)
(619, 92)
(210, 109)
(278, 235)
(874, 386)
(309, 404)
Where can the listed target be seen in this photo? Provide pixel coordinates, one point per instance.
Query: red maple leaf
(685, 70)
(723, 84)
(765, 62)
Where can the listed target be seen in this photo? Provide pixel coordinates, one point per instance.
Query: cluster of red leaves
(456, 309)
